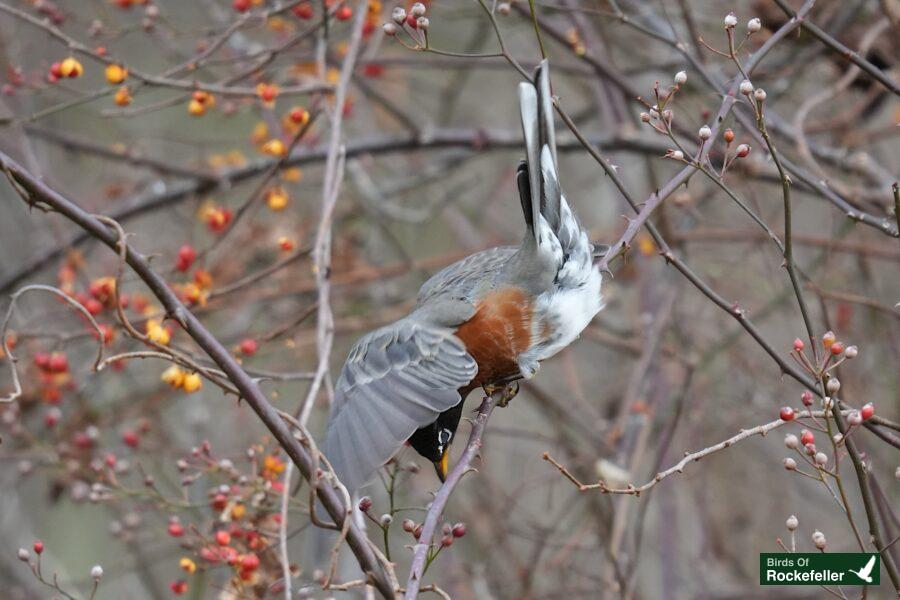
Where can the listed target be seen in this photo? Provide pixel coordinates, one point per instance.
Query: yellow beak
(443, 466)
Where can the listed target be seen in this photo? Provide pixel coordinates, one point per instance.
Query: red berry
(176, 529)
(219, 502)
(130, 438)
(799, 345)
(38, 546)
(42, 360)
(867, 411)
(249, 347)
(343, 13)
(241, 5)
(58, 363)
(447, 541)
(51, 418)
(223, 538)
(303, 11)
(249, 562)
(178, 587)
(837, 348)
(806, 437)
(93, 306)
(186, 257)
(807, 398)
(411, 21)
(459, 530)
(373, 70)
(82, 440)
(365, 503)
(787, 414)
(810, 449)
(56, 70)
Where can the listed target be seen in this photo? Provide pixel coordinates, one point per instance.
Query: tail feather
(528, 107)
(542, 195)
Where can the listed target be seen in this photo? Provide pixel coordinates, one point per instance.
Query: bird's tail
(536, 106)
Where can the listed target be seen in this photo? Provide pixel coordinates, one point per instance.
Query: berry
(223, 538)
(365, 503)
(806, 437)
(754, 25)
(807, 398)
(743, 150)
(867, 411)
(299, 115)
(178, 587)
(789, 463)
(828, 338)
(799, 345)
(116, 74)
(459, 530)
(680, 77)
(241, 5)
(249, 562)
(705, 132)
(343, 13)
(836, 348)
(787, 414)
(303, 11)
(130, 438)
(175, 529)
(186, 257)
(58, 363)
(249, 347)
(728, 136)
(792, 523)
(38, 546)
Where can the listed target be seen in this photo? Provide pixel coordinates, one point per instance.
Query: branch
(436, 510)
(249, 390)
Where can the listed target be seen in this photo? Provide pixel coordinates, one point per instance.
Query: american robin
(486, 320)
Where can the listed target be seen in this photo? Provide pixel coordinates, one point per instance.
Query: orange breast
(498, 332)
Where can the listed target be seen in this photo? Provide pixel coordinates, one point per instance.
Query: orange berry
(123, 96)
(116, 74)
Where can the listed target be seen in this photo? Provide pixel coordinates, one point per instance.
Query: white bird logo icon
(865, 572)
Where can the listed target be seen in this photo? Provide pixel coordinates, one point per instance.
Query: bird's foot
(509, 392)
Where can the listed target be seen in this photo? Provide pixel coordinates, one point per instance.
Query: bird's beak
(442, 466)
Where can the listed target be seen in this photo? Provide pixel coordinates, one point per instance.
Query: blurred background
(221, 183)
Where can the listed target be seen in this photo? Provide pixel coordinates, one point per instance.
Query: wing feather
(396, 379)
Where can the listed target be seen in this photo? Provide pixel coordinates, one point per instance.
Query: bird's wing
(868, 568)
(396, 379)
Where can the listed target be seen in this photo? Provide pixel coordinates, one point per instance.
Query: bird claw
(509, 392)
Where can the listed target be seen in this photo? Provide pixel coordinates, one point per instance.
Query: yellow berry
(192, 383)
(123, 96)
(196, 108)
(174, 376)
(277, 198)
(70, 67)
(187, 565)
(274, 147)
(116, 74)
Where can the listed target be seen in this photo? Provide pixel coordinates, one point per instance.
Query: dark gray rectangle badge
(815, 568)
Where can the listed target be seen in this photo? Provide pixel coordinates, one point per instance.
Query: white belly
(560, 316)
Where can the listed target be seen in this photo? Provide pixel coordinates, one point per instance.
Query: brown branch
(37, 191)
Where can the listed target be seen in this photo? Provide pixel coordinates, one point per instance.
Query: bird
(482, 322)
(866, 572)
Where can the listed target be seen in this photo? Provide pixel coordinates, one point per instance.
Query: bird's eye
(444, 436)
